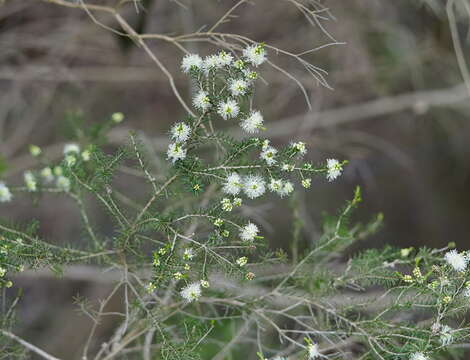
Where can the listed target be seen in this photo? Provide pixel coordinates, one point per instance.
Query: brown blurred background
(398, 112)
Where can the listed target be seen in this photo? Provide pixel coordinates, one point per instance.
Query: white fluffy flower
(280, 187)
(46, 173)
(71, 148)
(35, 150)
(418, 356)
(265, 144)
(70, 159)
(457, 261)
(299, 147)
(313, 351)
(334, 169)
(191, 61)
(249, 232)
(275, 185)
(211, 62)
(176, 152)
(5, 194)
(191, 292)
(180, 132)
(254, 186)
(233, 184)
(255, 54)
(63, 183)
(30, 181)
(224, 58)
(228, 109)
(237, 87)
(202, 101)
(269, 155)
(287, 167)
(286, 189)
(446, 335)
(117, 117)
(253, 123)
(86, 155)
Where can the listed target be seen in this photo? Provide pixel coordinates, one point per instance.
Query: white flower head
(202, 101)
(287, 167)
(269, 155)
(265, 144)
(57, 171)
(191, 61)
(47, 175)
(238, 87)
(286, 189)
(249, 232)
(63, 183)
(224, 58)
(418, 356)
(86, 155)
(70, 159)
(299, 147)
(313, 351)
(30, 181)
(457, 261)
(192, 292)
(228, 109)
(176, 152)
(5, 194)
(237, 201)
(255, 54)
(334, 169)
(71, 148)
(35, 150)
(275, 185)
(210, 62)
(180, 132)
(233, 184)
(117, 117)
(253, 123)
(446, 335)
(254, 186)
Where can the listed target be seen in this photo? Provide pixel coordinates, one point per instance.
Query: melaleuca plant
(188, 261)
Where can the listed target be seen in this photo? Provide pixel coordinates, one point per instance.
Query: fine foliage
(192, 265)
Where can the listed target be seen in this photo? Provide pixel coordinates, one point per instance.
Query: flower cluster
(223, 87)
(34, 180)
(55, 174)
